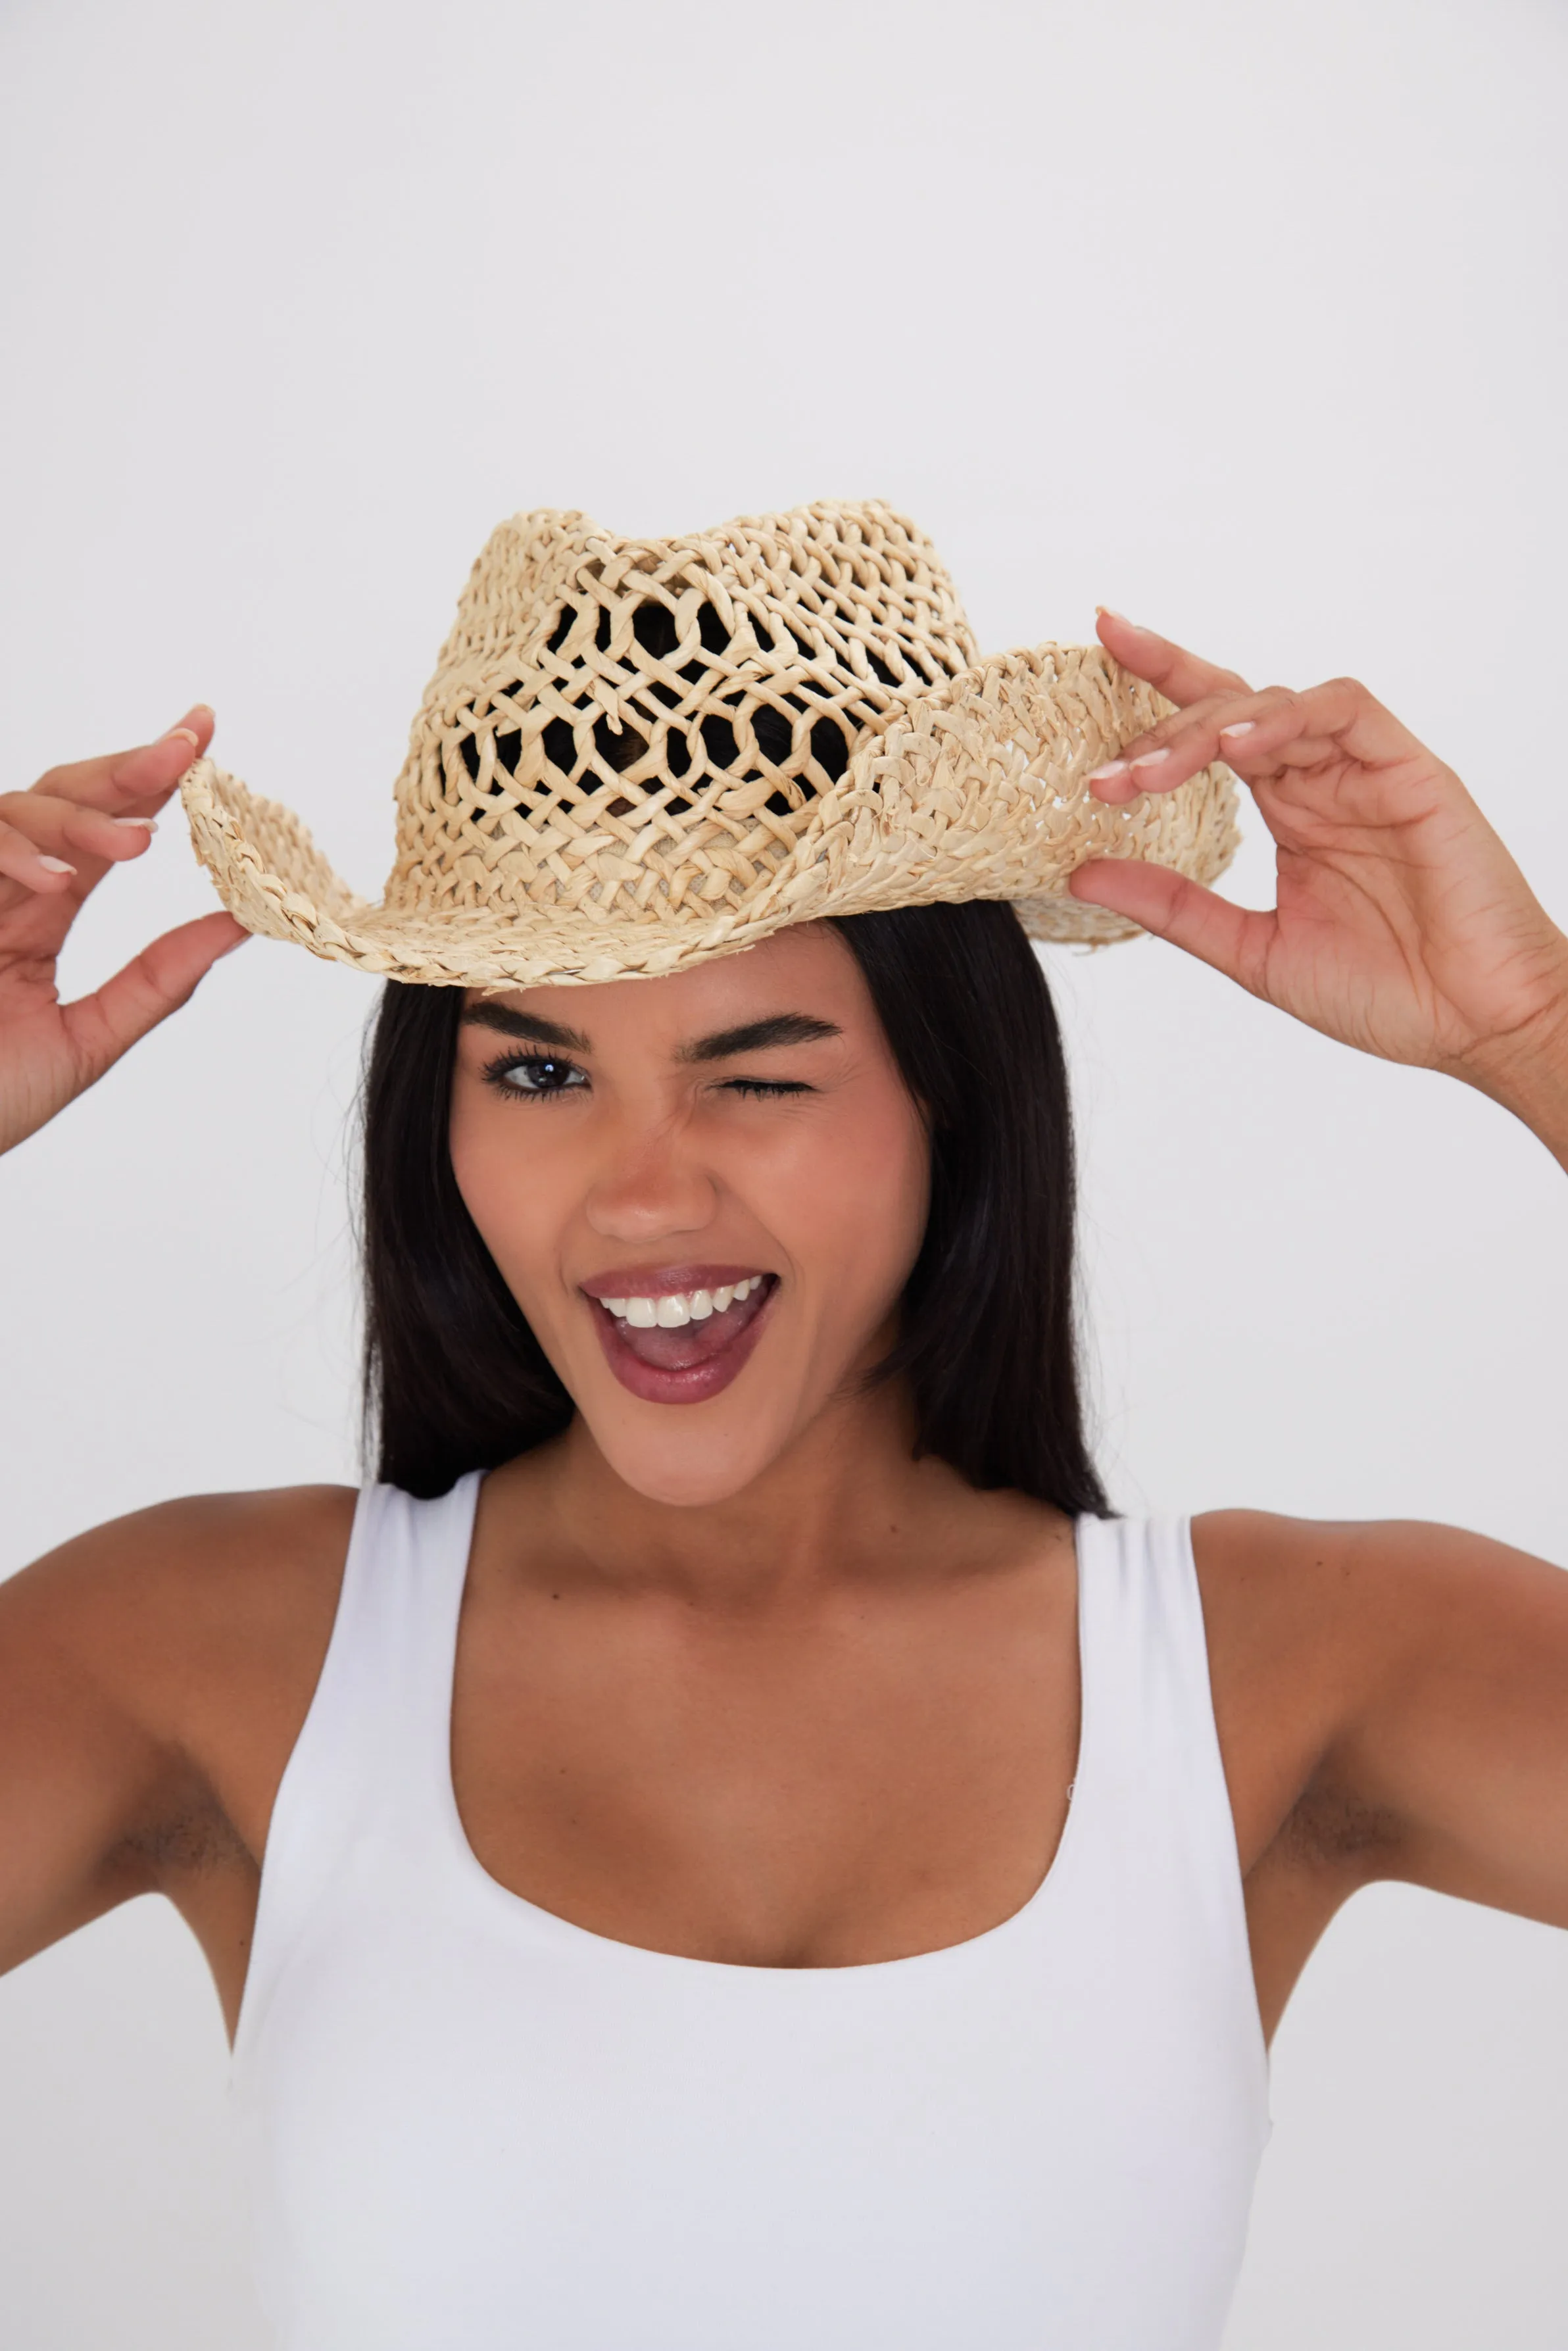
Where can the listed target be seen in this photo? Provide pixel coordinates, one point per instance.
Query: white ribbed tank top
(473, 2126)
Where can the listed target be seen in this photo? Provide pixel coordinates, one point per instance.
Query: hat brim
(977, 789)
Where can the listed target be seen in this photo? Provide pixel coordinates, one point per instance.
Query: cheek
(850, 1204)
(508, 1186)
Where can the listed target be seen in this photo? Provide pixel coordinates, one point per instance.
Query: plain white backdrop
(1247, 319)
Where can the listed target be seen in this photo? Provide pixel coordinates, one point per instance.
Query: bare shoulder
(1392, 1702)
(153, 1675)
(1322, 1633)
(1353, 1597)
(181, 1605)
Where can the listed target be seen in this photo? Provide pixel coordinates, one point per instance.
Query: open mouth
(682, 1346)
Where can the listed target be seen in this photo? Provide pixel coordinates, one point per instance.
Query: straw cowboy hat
(639, 754)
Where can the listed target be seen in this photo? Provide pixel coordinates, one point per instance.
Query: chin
(688, 1470)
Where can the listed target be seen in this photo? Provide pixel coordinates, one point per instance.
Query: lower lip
(691, 1386)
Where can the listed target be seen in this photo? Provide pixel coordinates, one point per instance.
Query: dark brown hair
(455, 1380)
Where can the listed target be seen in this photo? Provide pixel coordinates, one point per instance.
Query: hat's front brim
(966, 794)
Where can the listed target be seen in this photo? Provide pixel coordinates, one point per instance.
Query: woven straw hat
(639, 754)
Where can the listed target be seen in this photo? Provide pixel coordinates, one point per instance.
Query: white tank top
(473, 2126)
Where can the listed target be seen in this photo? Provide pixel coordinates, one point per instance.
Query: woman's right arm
(83, 1765)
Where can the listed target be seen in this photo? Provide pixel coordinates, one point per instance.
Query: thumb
(1231, 939)
(103, 1026)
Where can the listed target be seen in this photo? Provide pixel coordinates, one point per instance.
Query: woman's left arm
(1439, 1725)
(1401, 924)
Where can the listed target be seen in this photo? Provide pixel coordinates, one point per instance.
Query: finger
(41, 838)
(21, 861)
(138, 781)
(1231, 939)
(1262, 736)
(103, 1026)
(1181, 676)
(1282, 729)
(1115, 782)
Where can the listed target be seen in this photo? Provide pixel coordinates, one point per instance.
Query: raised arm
(1427, 1667)
(87, 1764)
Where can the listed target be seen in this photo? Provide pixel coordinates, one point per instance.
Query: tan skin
(742, 1680)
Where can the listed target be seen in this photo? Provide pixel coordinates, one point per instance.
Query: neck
(831, 1510)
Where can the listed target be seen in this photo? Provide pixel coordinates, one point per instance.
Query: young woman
(755, 1855)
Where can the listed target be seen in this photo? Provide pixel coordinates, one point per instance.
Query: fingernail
(139, 823)
(1242, 726)
(185, 735)
(56, 866)
(1103, 775)
(1150, 758)
(1108, 612)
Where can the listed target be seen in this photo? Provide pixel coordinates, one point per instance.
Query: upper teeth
(678, 1306)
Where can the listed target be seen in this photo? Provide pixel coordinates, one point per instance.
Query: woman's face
(705, 1192)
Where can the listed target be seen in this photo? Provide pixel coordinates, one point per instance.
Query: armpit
(1332, 1828)
(196, 1839)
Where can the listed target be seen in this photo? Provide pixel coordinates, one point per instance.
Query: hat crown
(660, 717)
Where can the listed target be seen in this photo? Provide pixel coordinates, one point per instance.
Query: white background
(1246, 318)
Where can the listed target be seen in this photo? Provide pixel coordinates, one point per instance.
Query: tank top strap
(1150, 1767)
(1144, 1654)
(382, 1713)
(367, 1787)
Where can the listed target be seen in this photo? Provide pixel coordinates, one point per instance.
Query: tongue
(694, 1342)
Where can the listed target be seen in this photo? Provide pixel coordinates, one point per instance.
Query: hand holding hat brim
(1402, 925)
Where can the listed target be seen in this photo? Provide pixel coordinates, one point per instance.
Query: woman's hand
(1402, 924)
(56, 842)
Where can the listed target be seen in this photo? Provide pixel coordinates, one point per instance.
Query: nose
(651, 1188)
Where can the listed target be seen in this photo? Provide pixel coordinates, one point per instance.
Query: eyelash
(498, 1072)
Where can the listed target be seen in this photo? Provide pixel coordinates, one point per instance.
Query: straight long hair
(987, 1342)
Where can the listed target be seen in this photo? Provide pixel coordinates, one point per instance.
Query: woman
(772, 1861)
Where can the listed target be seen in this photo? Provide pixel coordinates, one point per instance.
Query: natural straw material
(639, 754)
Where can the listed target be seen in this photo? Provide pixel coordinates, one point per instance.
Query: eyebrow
(757, 1036)
(722, 1045)
(532, 1026)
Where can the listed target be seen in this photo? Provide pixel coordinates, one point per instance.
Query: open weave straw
(639, 754)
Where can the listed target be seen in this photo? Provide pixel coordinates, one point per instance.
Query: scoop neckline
(613, 1948)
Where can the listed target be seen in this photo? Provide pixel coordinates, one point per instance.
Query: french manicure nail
(185, 735)
(139, 823)
(1111, 768)
(1242, 726)
(56, 866)
(1150, 758)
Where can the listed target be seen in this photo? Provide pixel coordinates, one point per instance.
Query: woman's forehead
(805, 970)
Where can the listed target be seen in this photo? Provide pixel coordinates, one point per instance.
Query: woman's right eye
(535, 1073)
